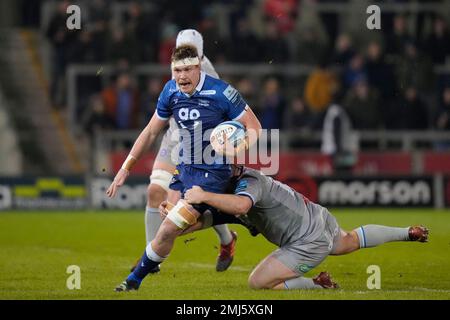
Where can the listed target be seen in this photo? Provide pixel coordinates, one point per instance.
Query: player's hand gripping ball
(229, 138)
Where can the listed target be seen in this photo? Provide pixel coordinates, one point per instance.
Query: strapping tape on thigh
(181, 216)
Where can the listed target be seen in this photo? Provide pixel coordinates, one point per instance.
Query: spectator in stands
(169, 37)
(398, 37)
(246, 47)
(331, 20)
(275, 49)
(414, 68)
(213, 42)
(362, 105)
(299, 119)
(343, 50)
(98, 13)
(283, 13)
(122, 102)
(83, 49)
(298, 116)
(379, 73)
(339, 141)
(145, 27)
(410, 111)
(98, 27)
(310, 50)
(149, 100)
(247, 89)
(60, 38)
(320, 89)
(443, 118)
(438, 42)
(186, 14)
(355, 70)
(272, 105)
(95, 117)
(122, 47)
(236, 10)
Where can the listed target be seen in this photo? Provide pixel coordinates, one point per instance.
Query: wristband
(129, 163)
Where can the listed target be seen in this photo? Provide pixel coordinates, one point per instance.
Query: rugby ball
(228, 138)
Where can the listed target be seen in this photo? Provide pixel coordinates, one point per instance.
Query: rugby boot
(226, 255)
(324, 280)
(418, 233)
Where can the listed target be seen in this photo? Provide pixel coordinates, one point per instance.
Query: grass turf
(37, 247)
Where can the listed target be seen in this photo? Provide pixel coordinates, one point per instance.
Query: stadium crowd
(384, 78)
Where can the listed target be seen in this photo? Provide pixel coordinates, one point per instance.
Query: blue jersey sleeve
(234, 104)
(163, 109)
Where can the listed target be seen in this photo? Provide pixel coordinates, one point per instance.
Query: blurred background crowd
(290, 59)
(386, 78)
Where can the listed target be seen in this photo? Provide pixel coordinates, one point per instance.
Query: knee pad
(181, 216)
(161, 178)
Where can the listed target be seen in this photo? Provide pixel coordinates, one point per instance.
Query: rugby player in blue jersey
(198, 104)
(165, 163)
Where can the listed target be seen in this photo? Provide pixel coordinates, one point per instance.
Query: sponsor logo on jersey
(231, 94)
(207, 92)
(242, 185)
(203, 103)
(304, 268)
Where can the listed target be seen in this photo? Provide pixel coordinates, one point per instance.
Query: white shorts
(168, 144)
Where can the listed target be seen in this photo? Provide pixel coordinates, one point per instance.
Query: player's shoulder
(212, 83)
(170, 88)
(213, 86)
(252, 174)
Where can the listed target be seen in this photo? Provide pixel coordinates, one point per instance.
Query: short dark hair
(183, 52)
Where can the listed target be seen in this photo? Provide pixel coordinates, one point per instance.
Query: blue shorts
(187, 176)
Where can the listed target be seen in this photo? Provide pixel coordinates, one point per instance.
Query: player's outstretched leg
(373, 235)
(369, 236)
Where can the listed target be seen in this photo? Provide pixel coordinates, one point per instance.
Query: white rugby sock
(224, 234)
(373, 235)
(152, 255)
(301, 283)
(152, 223)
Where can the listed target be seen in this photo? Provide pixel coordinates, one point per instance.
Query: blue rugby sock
(143, 268)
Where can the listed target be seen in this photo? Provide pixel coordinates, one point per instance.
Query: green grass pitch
(37, 247)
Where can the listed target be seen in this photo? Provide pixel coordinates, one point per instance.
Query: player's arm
(252, 125)
(142, 143)
(227, 203)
